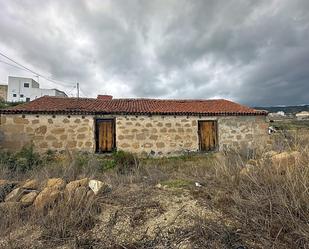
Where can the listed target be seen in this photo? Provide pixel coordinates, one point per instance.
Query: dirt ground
(144, 217)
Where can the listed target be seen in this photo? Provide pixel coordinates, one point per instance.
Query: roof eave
(80, 112)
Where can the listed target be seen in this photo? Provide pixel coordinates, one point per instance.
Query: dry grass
(269, 202)
(66, 223)
(266, 207)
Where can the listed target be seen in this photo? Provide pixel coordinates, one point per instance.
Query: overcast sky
(255, 52)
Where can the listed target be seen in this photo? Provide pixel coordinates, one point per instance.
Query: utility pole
(77, 87)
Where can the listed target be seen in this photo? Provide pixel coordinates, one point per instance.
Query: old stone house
(143, 126)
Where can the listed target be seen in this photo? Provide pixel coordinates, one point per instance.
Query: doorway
(105, 135)
(208, 136)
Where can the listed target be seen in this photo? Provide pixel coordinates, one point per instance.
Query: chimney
(105, 97)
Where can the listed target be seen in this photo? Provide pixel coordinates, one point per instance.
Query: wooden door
(105, 135)
(207, 135)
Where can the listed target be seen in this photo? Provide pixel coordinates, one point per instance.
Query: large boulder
(49, 196)
(98, 186)
(29, 198)
(15, 195)
(287, 158)
(55, 183)
(46, 198)
(31, 184)
(71, 187)
(5, 189)
(80, 193)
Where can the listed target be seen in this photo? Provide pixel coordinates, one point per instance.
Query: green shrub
(125, 162)
(107, 164)
(49, 156)
(24, 160)
(81, 160)
(4, 104)
(177, 183)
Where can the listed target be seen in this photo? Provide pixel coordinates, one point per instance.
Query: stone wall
(238, 132)
(3, 92)
(163, 135)
(45, 132)
(154, 135)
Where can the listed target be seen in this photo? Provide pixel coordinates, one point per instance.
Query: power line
(69, 92)
(32, 71)
(13, 65)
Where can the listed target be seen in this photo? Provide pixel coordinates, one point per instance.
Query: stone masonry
(164, 135)
(3, 92)
(148, 135)
(47, 132)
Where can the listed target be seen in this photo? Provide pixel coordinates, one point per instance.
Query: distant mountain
(286, 109)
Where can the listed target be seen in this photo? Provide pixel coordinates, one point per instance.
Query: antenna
(77, 87)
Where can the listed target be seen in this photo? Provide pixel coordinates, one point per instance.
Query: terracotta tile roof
(61, 105)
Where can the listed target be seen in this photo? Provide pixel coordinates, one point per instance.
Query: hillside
(286, 109)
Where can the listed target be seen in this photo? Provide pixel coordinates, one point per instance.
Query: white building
(276, 115)
(27, 89)
(303, 115)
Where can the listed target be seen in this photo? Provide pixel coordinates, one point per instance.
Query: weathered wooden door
(207, 135)
(105, 135)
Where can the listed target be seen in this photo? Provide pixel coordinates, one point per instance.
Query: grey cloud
(254, 52)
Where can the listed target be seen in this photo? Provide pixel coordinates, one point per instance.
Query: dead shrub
(68, 218)
(125, 162)
(207, 233)
(12, 215)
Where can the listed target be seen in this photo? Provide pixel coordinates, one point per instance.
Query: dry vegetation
(244, 200)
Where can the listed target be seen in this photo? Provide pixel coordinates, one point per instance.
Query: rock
(90, 195)
(197, 184)
(29, 198)
(247, 170)
(46, 198)
(31, 184)
(98, 186)
(55, 183)
(159, 185)
(80, 193)
(72, 186)
(286, 158)
(6, 189)
(15, 195)
(50, 194)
